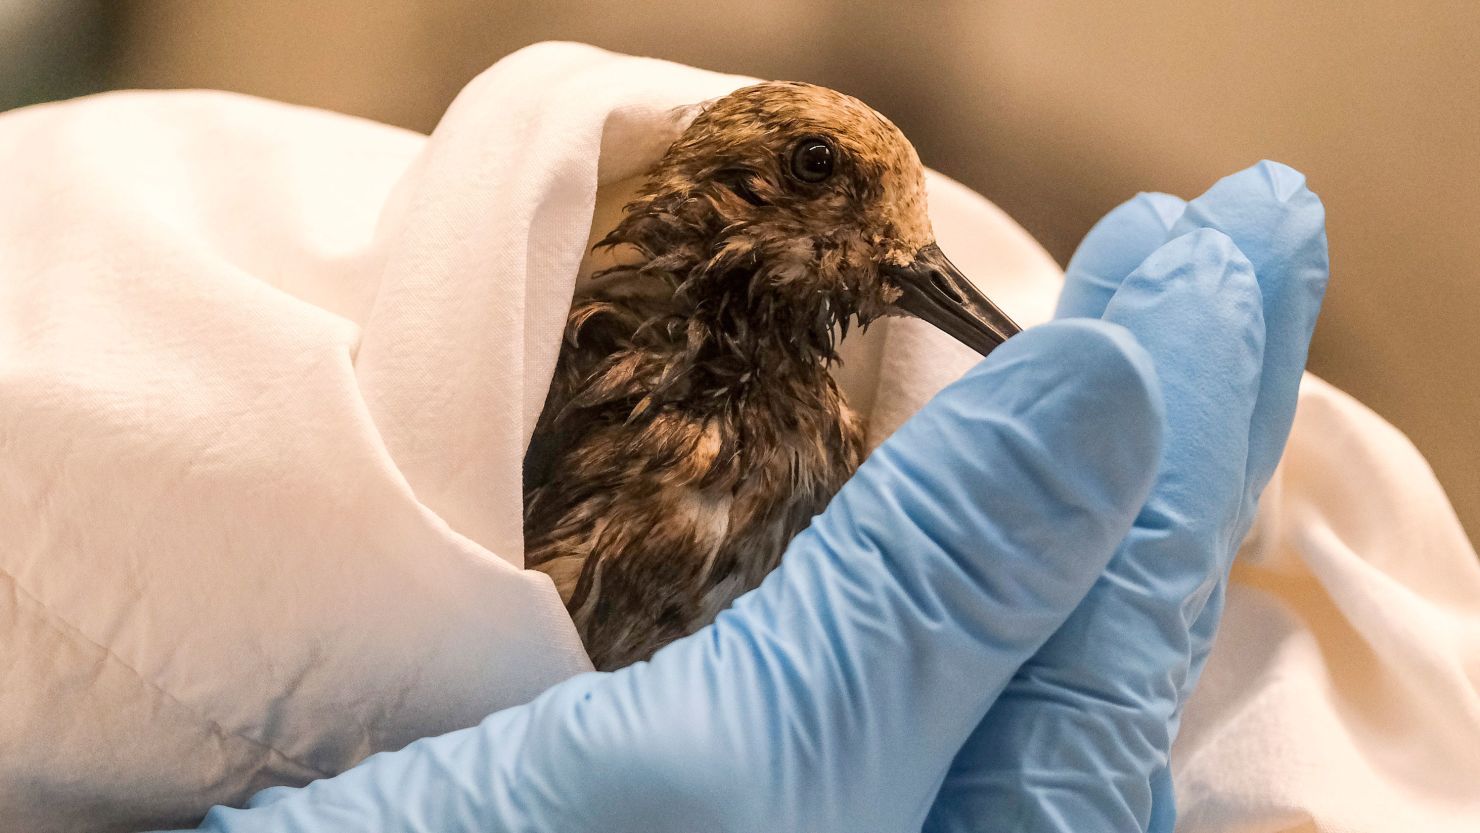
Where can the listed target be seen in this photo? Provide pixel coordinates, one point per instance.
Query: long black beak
(936, 292)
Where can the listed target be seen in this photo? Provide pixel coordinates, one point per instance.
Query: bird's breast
(650, 526)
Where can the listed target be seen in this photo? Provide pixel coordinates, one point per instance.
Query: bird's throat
(714, 313)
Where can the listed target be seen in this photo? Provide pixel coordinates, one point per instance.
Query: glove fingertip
(1111, 352)
(1265, 178)
(1101, 349)
(1107, 374)
(1123, 238)
(1282, 180)
(1280, 225)
(1167, 207)
(1112, 248)
(1266, 199)
(1206, 259)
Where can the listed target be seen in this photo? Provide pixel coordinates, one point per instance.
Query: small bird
(692, 426)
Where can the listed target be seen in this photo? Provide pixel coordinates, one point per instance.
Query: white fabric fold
(266, 377)
(1343, 690)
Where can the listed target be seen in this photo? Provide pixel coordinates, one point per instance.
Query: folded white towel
(266, 376)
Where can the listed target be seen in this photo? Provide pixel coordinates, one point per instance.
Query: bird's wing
(592, 384)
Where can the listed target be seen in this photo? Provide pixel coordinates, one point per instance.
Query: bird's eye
(812, 160)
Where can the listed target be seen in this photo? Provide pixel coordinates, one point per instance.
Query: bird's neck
(714, 322)
(728, 339)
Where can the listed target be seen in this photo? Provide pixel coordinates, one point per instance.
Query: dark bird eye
(812, 160)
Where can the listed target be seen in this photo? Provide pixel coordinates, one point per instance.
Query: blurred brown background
(1056, 110)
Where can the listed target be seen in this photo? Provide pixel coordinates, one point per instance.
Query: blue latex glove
(834, 696)
(1080, 738)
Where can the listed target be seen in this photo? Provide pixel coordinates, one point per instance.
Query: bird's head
(807, 202)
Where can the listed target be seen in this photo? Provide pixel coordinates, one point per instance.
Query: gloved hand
(835, 696)
(1080, 738)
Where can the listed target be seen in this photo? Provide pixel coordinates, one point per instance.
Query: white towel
(266, 375)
